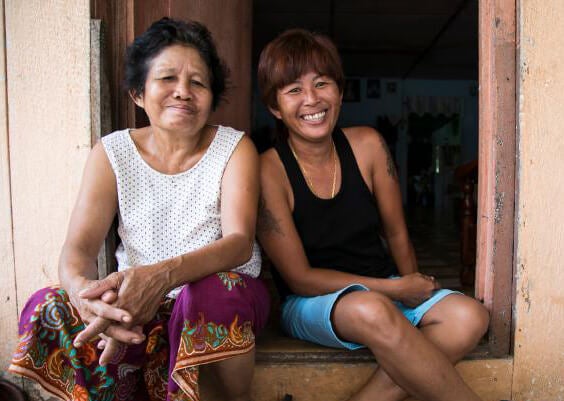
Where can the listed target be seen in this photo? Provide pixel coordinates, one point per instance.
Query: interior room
(411, 73)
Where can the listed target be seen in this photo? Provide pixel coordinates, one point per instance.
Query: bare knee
(369, 318)
(467, 318)
(477, 319)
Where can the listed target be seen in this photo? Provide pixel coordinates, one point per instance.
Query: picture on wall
(373, 89)
(352, 90)
(391, 87)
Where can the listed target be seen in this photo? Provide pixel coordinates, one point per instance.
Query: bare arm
(388, 196)
(91, 218)
(378, 170)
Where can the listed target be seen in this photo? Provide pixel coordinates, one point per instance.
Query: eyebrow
(164, 70)
(298, 81)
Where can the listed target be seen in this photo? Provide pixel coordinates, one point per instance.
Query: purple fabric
(212, 319)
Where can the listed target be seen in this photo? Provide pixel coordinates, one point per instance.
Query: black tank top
(341, 233)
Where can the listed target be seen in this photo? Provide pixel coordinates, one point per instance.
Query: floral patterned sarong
(210, 320)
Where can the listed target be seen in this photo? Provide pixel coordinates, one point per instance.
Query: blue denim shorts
(309, 318)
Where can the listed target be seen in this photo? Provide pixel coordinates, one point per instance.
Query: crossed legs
(412, 362)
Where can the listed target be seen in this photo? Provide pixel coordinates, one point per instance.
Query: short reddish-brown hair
(290, 55)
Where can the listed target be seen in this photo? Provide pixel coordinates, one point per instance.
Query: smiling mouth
(184, 108)
(316, 117)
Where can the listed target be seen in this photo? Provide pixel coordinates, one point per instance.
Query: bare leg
(406, 356)
(454, 325)
(235, 374)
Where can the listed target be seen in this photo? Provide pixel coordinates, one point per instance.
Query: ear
(275, 112)
(137, 99)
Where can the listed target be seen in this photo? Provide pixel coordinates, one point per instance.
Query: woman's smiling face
(309, 106)
(177, 93)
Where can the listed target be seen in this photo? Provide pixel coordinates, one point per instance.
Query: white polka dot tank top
(162, 216)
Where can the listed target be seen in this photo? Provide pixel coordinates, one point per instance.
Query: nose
(183, 91)
(311, 96)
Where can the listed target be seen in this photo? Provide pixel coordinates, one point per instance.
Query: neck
(176, 143)
(312, 153)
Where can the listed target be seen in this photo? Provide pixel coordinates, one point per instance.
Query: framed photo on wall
(373, 89)
(392, 87)
(351, 92)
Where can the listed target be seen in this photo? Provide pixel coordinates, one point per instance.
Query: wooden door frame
(496, 167)
(497, 145)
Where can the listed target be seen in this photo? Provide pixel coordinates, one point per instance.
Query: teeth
(314, 117)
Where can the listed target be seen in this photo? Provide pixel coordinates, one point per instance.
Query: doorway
(379, 68)
(412, 73)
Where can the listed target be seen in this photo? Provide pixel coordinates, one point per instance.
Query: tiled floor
(436, 239)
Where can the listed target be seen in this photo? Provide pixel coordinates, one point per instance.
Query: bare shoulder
(370, 149)
(275, 193)
(364, 137)
(98, 159)
(274, 180)
(247, 148)
(271, 167)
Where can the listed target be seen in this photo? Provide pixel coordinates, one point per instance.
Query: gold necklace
(306, 175)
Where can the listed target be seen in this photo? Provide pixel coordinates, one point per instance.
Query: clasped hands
(416, 288)
(116, 307)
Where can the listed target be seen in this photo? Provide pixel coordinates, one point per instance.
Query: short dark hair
(293, 53)
(167, 32)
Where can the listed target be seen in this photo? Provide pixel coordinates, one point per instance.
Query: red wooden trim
(497, 155)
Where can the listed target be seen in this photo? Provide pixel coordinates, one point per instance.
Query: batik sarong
(213, 319)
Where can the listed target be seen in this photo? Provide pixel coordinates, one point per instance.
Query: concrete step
(293, 370)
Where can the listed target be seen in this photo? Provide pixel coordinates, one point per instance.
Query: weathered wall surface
(44, 142)
(8, 310)
(539, 308)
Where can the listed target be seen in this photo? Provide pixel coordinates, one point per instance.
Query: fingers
(97, 326)
(435, 282)
(109, 297)
(99, 287)
(133, 335)
(102, 309)
(105, 329)
(111, 348)
(101, 344)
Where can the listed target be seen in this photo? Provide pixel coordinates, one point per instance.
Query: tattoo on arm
(266, 221)
(391, 167)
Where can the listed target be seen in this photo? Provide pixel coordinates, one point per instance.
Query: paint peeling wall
(44, 142)
(539, 308)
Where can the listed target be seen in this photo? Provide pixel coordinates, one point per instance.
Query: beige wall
(44, 139)
(539, 309)
(8, 312)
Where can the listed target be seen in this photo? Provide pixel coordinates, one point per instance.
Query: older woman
(327, 194)
(187, 292)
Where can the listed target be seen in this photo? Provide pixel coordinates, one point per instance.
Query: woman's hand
(100, 306)
(101, 315)
(139, 291)
(416, 288)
